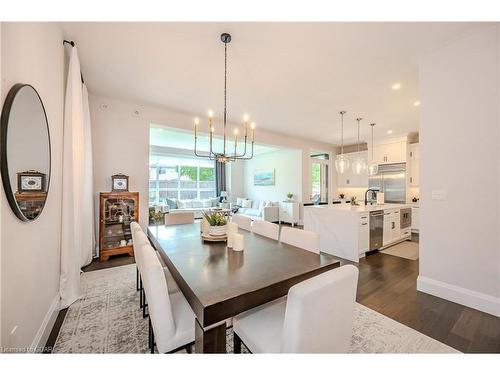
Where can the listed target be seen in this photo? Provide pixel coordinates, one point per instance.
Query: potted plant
(289, 196)
(354, 201)
(217, 222)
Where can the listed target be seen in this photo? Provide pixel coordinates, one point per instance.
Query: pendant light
(359, 164)
(341, 161)
(372, 166)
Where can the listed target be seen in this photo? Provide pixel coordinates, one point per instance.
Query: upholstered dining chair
(171, 320)
(175, 218)
(316, 317)
(304, 239)
(139, 239)
(242, 221)
(267, 229)
(134, 227)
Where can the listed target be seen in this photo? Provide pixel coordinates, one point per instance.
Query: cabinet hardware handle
(364, 224)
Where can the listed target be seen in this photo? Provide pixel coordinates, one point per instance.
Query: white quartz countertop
(346, 207)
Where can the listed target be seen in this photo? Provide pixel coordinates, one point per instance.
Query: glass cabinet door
(118, 214)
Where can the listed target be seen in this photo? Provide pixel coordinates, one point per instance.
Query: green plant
(156, 217)
(289, 195)
(215, 219)
(354, 201)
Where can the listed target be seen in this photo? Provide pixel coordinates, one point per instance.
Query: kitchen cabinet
(392, 230)
(363, 234)
(414, 165)
(289, 212)
(390, 152)
(351, 180)
(415, 226)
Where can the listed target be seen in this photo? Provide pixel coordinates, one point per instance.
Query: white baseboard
(46, 327)
(479, 301)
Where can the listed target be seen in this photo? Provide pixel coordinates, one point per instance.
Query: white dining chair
(175, 218)
(304, 239)
(171, 320)
(140, 239)
(134, 227)
(267, 229)
(316, 317)
(242, 221)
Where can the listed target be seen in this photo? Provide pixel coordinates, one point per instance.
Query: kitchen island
(345, 230)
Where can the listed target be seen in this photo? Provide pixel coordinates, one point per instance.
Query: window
(180, 177)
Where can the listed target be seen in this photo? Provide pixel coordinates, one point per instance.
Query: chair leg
(141, 290)
(236, 343)
(144, 305)
(151, 337)
(136, 278)
(189, 349)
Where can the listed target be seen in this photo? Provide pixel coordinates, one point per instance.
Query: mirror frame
(4, 164)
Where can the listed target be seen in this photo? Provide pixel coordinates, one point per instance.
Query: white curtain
(77, 238)
(88, 238)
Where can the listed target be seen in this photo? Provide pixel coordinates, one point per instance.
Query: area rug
(108, 320)
(406, 249)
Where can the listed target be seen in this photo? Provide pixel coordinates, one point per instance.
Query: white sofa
(197, 206)
(258, 210)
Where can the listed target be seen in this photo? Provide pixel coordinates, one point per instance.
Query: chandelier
(226, 155)
(359, 164)
(342, 161)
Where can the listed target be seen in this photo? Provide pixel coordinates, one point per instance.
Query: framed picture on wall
(263, 177)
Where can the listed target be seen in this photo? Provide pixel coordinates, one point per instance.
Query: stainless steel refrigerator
(390, 180)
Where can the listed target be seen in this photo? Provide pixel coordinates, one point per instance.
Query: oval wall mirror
(25, 151)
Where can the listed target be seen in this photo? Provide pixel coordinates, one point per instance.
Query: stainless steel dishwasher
(376, 229)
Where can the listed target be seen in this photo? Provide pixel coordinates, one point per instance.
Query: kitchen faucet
(366, 194)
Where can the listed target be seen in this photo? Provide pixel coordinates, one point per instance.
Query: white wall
(459, 141)
(235, 174)
(33, 53)
(121, 143)
(287, 165)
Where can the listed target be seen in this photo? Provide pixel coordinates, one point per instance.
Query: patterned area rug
(108, 320)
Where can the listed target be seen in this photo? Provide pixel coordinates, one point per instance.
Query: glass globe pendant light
(359, 164)
(372, 166)
(341, 161)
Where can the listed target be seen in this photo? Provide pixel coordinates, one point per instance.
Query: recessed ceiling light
(396, 86)
(416, 104)
(389, 131)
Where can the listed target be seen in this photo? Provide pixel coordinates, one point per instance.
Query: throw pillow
(196, 204)
(172, 203)
(262, 204)
(247, 203)
(239, 201)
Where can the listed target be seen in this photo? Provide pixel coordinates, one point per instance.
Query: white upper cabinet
(350, 179)
(414, 164)
(390, 152)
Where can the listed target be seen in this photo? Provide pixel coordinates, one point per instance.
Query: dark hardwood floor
(388, 284)
(113, 261)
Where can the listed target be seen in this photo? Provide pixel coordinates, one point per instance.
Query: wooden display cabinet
(116, 211)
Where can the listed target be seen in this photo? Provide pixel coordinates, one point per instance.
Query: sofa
(258, 210)
(197, 206)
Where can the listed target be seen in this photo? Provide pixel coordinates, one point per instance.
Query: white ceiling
(291, 78)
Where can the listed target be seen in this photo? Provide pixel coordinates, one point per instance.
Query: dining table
(220, 283)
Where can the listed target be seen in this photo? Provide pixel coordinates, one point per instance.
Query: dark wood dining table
(220, 283)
